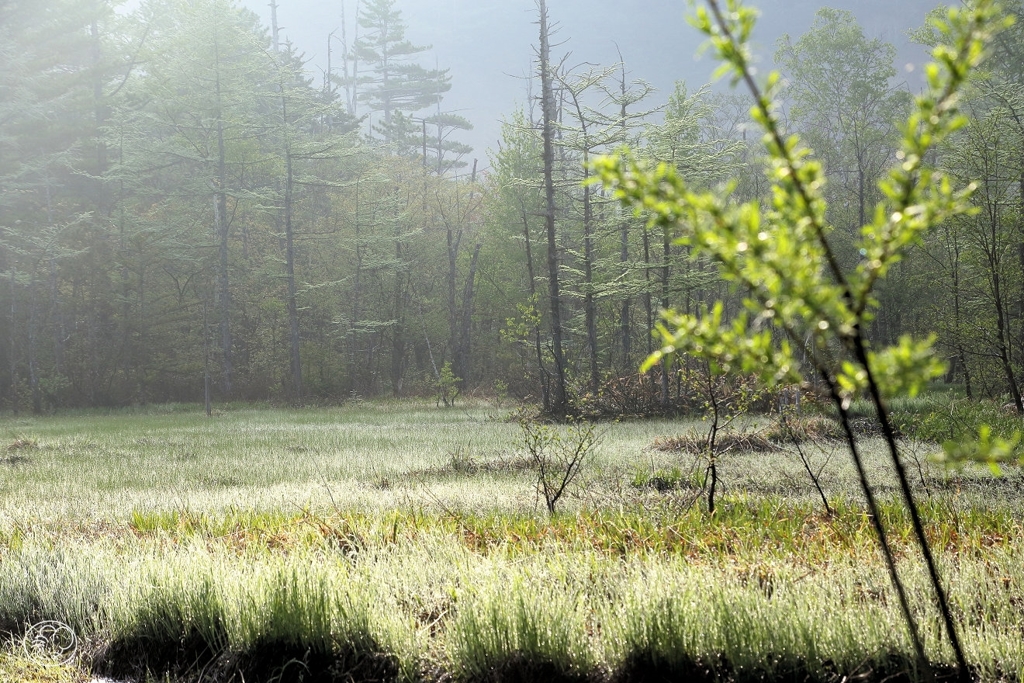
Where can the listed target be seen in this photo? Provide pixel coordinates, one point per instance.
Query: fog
(185, 213)
(488, 44)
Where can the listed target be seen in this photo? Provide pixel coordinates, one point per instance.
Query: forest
(184, 206)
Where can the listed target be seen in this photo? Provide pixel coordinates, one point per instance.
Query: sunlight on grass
(408, 543)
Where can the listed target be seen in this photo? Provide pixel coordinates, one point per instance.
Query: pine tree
(394, 82)
(47, 70)
(207, 89)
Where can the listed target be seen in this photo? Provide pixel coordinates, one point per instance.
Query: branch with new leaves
(797, 294)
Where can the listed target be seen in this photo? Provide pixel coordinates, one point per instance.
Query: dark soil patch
(135, 658)
(283, 663)
(650, 668)
(521, 668)
(287, 663)
(268, 662)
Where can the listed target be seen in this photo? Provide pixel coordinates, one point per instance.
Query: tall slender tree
(558, 394)
(844, 103)
(391, 80)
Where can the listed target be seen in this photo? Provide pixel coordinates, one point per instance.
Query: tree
(794, 283)
(843, 104)
(625, 97)
(203, 118)
(514, 202)
(558, 394)
(985, 152)
(169, 182)
(48, 104)
(441, 152)
(589, 133)
(393, 82)
(457, 207)
(299, 110)
(691, 143)
(980, 310)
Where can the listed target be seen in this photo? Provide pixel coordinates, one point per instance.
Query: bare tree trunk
(712, 443)
(275, 35)
(354, 96)
(541, 370)
(33, 363)
(293, 308)
(648, 299)
(861, 195)
(349, 103)
(624, 315)
(59, 332)
(589, 304)
(398, 330)
(1004, 350)
(55, 302)
(454, 237)
(289, 251)
(357, 289)
(958, 324)
(463, 366)
(12, 329)
(558, 395)
(1020, 260)
(993, 256)
(207, 402)
(101, 118)
(223, 295)
(221, 223)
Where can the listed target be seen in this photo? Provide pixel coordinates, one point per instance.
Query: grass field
(398, 541)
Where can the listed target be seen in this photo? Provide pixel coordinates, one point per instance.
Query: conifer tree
(392, 81)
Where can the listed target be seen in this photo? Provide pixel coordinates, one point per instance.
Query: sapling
(797, 295)
(446, 386)
(724, 400)
(558, 454)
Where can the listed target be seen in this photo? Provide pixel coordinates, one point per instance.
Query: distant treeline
(181, 203)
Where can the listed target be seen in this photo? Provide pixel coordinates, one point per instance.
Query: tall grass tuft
(204, 612)
(708, 624)
(174, 617)
(529, 630)
(52, 584)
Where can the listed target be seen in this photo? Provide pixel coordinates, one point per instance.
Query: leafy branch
(780, 256)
